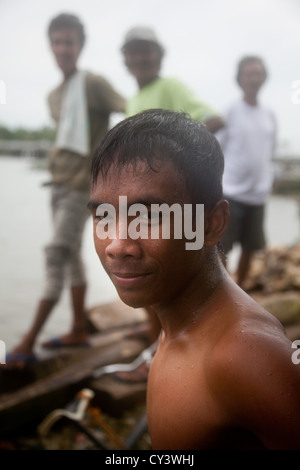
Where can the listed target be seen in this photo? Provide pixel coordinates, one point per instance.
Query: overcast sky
(203, 41)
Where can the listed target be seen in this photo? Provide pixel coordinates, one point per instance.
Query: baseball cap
(141, 33)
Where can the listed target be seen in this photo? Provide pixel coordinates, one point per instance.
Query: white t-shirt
(248, 142)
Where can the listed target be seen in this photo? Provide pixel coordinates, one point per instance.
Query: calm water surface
(25, 228)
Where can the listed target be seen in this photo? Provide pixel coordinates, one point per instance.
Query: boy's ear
(216, 221)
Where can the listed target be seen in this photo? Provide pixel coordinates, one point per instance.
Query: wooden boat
(28, 395)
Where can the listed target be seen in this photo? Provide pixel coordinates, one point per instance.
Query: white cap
(141, 33)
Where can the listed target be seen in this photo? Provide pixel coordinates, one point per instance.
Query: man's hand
(214, 124)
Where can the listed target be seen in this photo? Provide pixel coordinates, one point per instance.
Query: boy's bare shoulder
(250, 332)
(252, 376)
(251, 342)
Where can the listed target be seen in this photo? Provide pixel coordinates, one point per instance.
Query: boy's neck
(190, 306)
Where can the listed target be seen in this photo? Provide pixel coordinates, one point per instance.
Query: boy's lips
(128, 279)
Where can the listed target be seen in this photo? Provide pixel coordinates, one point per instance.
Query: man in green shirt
(143, 54)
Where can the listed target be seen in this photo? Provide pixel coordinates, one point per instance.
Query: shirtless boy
(222, 376)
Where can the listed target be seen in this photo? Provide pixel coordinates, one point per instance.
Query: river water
(25, 227)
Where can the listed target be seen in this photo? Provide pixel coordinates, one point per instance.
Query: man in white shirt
(248, 142)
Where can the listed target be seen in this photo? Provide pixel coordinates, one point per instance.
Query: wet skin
(144, 271)
(222, 376)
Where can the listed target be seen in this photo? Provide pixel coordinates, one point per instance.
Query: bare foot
(19, 357)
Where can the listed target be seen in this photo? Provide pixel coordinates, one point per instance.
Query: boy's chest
(181, 411)
(184, 411)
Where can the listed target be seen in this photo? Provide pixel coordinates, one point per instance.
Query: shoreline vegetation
(37, 142)
(21, 142)
(20, 133)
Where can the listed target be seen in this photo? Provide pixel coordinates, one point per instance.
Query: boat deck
(28, 395)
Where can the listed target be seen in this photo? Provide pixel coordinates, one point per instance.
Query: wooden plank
(115, 314)
(113, 397)
(31, 403)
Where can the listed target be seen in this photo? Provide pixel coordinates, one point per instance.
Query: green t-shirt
(169, 93)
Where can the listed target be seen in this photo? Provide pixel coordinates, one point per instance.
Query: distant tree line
(45, 133)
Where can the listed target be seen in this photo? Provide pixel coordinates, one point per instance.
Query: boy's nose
(122, 245)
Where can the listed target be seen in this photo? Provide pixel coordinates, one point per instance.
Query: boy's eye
(106, 216)
(155, 217)
(150, 217)
(142, 218)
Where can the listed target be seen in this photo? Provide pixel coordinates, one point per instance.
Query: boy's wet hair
(167, 136)
(67, 20)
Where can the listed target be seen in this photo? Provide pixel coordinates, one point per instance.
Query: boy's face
(142, 59)
(144, 271)
(66, 47)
